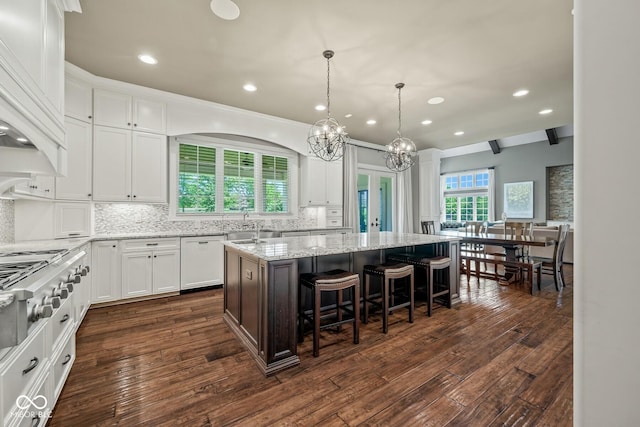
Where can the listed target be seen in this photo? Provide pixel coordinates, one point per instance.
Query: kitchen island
(261, 282)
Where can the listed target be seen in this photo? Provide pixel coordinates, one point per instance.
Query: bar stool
(429, 264)
(334, 281)
(389, 272)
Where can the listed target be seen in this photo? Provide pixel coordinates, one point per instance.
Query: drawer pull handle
(64, 318)
(67, 359)
(32, 365)
(35, 421)
(203, 243)
(152, 244)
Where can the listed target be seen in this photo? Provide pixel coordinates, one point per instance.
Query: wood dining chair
(475, 228)
(519, 229)
(553, 265)
(428, 227)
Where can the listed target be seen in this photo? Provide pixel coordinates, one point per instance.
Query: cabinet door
(44, 186)
(72, 220)
(105, 272)
(149, 168)
(315, 175)
(149, 116)
(77, 184)
(111, 164)
(53, 76)
(166, 271)
(111, 109)
(78, 102)
(334, 183)
(202, 262)
(137, 274)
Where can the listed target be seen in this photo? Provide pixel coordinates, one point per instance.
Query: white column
(429, 186)
(606, 152)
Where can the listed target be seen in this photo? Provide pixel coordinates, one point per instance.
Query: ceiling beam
(495, 147)
(552, 136)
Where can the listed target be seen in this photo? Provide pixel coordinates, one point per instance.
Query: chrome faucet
(257, 227)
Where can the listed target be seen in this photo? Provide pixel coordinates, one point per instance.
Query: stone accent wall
(560, 193)
(118, 218)
(7, 221)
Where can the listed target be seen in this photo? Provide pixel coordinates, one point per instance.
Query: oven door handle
(32, 365)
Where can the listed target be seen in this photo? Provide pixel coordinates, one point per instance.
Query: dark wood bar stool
(389, 272)
(429, 265)
(334, 281)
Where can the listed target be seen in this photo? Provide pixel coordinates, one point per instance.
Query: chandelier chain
(328, 99)
(399, 112)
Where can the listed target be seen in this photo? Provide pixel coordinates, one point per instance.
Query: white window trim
(467, 192)
(231, 144)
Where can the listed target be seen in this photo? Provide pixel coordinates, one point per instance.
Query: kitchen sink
(249, 234)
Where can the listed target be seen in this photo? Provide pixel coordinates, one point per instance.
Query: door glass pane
(386, 204)
(363, 202)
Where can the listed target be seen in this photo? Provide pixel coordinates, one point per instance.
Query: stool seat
(389, 272)
(337, 281)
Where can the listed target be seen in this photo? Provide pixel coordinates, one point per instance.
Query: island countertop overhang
(281, 248)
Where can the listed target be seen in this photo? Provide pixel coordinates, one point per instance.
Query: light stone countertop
(41, 245)
(280, 248)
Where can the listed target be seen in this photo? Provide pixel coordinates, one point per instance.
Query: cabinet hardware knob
(135, 124)
(129, 124)
(129, 195)
(148, 256)
(134, 196)
(90, 117)
(155, 256)
(89, 194)
(114, 246)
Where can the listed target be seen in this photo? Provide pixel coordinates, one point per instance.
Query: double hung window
(467, 196)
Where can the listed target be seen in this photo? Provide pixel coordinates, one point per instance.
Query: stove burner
(41, 252)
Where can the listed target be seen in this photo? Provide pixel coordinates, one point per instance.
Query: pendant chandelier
(326, 137)
(401, 152)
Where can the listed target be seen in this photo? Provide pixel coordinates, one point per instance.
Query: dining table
(510, 243)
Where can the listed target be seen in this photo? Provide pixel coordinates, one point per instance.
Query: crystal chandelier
(401, 152)
(326, 137)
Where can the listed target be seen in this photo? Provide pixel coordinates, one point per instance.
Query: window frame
(461, 193)
(258, 148)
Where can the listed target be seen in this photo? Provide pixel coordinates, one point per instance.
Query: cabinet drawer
(35, 415)
(63, 318)
(334, 212)
(62, 364)
(22, 369)
(334, 222)
(150, 244)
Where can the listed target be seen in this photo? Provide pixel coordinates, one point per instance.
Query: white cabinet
(129, 166)
(78, 102)
(72, 220)
(201, 261)
(106, 277)
(320, 182)
(53, 72)
(77, 184)
(150, 266)
(126, 112)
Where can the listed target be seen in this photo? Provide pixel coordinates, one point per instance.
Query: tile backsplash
(7, 221)
(118, 218)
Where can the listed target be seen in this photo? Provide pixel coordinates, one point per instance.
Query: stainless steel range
(32, 285)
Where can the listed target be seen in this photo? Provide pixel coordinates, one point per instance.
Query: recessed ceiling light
(426, 122)
(458, 133)
(436, 100)
(546, 111)
(225, 9)
(348, 116)
(22, 139)
(371, 122)
(521, 92)
(320, 107)
(249, 87)
(148, 59)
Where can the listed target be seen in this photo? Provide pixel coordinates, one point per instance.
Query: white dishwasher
(201, 262)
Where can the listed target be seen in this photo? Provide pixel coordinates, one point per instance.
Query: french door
(376, 200)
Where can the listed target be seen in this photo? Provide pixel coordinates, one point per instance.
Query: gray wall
(526, 162)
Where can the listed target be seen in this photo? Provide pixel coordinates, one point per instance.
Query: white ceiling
(474, 53)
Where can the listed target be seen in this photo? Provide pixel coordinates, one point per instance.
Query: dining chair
(553, 265)
(428, 227)
(475, 228)
(515, 229)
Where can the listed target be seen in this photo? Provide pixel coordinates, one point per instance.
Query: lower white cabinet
(201, 261)
(150, 266)
(106, 277)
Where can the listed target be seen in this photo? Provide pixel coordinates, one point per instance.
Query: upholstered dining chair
(428, 227)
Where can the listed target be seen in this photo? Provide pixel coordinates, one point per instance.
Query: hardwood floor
(501, 358)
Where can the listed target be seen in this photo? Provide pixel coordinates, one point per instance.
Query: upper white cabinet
(78, 102)
(129, 166)
(77, 184)
(320, 182)
(53, 72)
(126, 112)
(72, 220)
(41, 186)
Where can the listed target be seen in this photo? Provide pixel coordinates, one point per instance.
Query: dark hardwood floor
(501, 358)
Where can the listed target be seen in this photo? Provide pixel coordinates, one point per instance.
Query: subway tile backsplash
(7, 221)
(118, 218)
